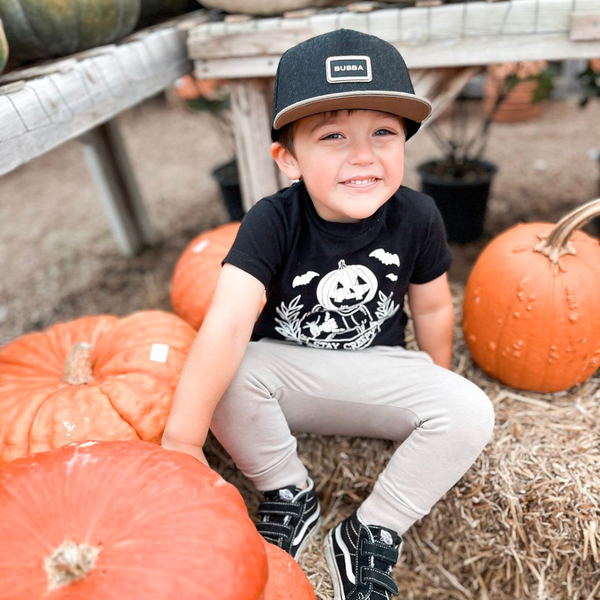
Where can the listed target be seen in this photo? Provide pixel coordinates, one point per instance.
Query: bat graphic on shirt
(304, 279)
(386, 257)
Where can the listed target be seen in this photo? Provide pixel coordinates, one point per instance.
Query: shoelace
(275, 518)
(379, 575)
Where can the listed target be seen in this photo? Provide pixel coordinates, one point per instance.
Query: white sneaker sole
(312, 532)
(333, 570)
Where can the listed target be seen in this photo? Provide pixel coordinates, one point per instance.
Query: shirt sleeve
(434, 258)
(259, 245)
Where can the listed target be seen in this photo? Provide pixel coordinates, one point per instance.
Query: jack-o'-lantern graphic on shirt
(349, 311)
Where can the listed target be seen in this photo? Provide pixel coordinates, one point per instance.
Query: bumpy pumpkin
(3, 48)
(97, 377)
(44, 28)
(124, 521)
(286, 581)
(530, 314)
(197, 271)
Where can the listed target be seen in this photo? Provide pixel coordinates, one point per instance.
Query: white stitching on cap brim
(421, 106)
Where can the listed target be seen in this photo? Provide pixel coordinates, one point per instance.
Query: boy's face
(351, 162)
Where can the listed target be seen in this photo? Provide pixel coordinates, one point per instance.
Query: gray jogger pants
(442, 420)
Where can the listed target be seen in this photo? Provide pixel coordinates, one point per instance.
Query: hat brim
(404, 105)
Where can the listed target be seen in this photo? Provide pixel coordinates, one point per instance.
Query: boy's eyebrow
(333, 118)
(324, 121)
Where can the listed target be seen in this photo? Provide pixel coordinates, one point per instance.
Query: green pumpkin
(47, 28)
(3, 48)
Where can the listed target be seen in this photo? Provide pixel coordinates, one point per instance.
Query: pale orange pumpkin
(286, 580)
(95, 378)
(125, 521)
(531, 313)
(196, 273)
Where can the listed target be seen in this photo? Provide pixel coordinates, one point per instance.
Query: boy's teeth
(360, 181)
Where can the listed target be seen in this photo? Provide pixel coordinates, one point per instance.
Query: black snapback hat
(345, 69)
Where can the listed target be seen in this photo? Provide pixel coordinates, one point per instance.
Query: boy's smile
(351, 162)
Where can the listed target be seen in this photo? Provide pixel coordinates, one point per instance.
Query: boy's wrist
(192, 449)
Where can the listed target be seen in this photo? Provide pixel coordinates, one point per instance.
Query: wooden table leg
(113, 177)
(251, 112)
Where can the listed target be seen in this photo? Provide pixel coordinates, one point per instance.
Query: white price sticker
(159, 353)
(200, 246)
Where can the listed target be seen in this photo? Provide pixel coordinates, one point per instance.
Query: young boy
(336, 252)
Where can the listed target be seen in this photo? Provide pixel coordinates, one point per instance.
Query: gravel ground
(60, 261)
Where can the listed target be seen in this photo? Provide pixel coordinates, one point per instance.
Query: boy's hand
(192, 450)
(202, 458)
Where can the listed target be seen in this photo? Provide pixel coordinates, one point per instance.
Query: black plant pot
(462, 202)
(227, 177)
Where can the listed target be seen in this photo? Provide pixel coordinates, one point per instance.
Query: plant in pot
(211, 96)
(527, 83)
(461, 179)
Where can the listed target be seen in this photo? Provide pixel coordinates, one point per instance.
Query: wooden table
(464, 36)
(79, 96)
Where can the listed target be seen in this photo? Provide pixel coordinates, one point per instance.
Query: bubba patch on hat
(342, 69)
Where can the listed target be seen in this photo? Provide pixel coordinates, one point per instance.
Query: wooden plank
(448, 53)
(251, 111)
(67, 97)
(585, 26)
(244, 44)
(485, 22)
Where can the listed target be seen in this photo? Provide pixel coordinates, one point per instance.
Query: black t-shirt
(339, 285)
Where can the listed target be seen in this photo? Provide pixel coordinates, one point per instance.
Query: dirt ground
(60, 261)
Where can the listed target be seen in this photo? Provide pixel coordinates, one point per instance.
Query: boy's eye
(384, 132)
(333, 136)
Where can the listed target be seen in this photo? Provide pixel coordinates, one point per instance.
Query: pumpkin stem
(78, 365)
(70, 562)
(556, 243)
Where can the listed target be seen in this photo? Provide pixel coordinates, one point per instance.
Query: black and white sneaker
(360, 559)
(289, 516)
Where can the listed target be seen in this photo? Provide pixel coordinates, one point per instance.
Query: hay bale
(522, 523)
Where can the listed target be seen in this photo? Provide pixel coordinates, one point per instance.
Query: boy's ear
(285, 161)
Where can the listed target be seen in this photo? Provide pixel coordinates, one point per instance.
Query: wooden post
(111, 171)
(251, 113)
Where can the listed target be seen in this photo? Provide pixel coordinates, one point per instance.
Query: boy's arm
(433, 315)
(213, 360)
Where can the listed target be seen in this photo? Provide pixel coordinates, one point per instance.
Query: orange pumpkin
(124, 521)
(286, 581)
(96, 377)
(197, 271)
(530, 314)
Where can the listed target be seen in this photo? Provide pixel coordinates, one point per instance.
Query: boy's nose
(361, 153)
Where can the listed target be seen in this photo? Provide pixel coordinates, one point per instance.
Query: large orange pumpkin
(197, 271)
(531, 314)
(96, 377)
(286, 581)
(124, 521)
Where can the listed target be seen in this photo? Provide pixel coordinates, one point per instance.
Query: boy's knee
(471, 415)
